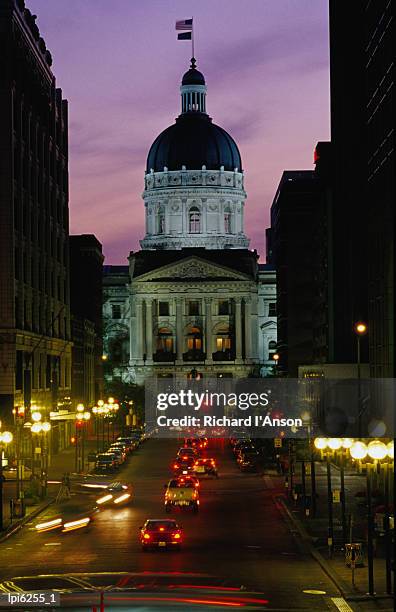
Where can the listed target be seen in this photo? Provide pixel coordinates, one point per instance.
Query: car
(203, 443)
(247, 463)
(185, 452)
(205, 466)
(119, 453)
(130, 443)
(116, 494)
(106, 462)
(181, 493)
(183, 466)
(161, 533)
(10, 473)
(190, 478)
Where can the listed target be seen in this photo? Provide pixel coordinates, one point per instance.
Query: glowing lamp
(358, 450)
(334, 443)
(6, 437)
(320, 443)
(377, 450)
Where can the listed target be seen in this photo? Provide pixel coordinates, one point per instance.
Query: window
(272, 309)
(194, 223)
(271, 348)
(116, 311)
(193, 308)
(163, 309)
(224, 307)
(223, 343)
(165, 340)
(194, 339)
(161, 220)
(227, 223)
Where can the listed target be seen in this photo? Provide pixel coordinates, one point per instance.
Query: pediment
(192, 268)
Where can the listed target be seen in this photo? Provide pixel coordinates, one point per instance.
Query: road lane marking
(53, 544)
(341, 604)
(314, 592)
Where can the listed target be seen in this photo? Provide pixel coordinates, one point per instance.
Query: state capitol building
(194, 301)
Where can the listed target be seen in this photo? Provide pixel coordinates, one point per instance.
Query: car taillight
(175, 465)
(176, 536)
(162, 528)
(146, 536)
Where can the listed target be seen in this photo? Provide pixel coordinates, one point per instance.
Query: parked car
(106, 462)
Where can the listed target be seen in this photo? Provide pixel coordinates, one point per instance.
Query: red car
(161, 533)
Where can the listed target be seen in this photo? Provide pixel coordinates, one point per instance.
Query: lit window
(165, 340)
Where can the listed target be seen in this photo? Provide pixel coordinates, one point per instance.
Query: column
(139, 330)
(132, 334)
(248, 328)
(179, 329)
(238, 329)
(149, 331)
(208, 329)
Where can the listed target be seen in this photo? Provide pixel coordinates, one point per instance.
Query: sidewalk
(62, 462)
(314, 532)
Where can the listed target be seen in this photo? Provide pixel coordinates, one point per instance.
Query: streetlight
(360, 329)
(323, 444)
(377, 451)
(39, 427)
(6, 437)
(276, 358)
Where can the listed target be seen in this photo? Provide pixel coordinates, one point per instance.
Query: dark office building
(86, 272)
(350, 205)
(35, 349)
(293, 215)
(380, 116)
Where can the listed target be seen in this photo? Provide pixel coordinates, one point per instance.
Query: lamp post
(322, 444)
(5, 438)
(42, 428)
(360, 329)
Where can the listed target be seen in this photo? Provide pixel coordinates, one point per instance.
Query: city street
(239, 534)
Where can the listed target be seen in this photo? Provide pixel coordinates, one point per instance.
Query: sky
(119, 64)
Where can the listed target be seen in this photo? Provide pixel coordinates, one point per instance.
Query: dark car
(106, 462)
(183, 466)
(161, 533)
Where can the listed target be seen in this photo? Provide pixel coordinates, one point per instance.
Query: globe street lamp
(276, 358)
(360, 329)
(6, 438)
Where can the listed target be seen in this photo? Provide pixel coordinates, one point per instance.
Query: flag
(184, 36)
(184, 24)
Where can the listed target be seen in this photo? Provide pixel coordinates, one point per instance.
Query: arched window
(227, 220)
(161, 220)
(223, 339)
(165, 340)
(271, 348)
(194, 221)
(194, 339)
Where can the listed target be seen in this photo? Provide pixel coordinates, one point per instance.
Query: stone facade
(194, 208)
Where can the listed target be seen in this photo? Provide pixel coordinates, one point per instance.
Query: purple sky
(119, 65)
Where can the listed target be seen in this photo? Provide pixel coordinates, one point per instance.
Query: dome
(194, 141)
(193, 76)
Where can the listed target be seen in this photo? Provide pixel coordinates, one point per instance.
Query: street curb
(19, 524)
(342, 586)
(334, 577)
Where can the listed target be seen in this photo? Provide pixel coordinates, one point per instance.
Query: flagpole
(192, 35)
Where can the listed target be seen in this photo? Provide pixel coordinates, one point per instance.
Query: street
(239, 534)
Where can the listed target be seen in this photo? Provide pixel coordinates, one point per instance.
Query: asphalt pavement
(240, 533)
